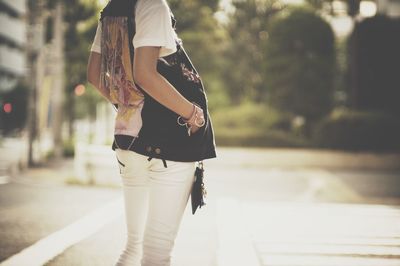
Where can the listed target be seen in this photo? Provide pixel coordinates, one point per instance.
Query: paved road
(31, 212)
(297, 216)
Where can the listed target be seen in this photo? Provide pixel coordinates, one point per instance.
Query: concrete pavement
(255, 215)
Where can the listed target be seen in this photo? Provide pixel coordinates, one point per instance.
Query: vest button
(158, 150)
(148, 148)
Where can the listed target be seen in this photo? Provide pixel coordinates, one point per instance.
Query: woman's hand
(194, 129)
(196, 119)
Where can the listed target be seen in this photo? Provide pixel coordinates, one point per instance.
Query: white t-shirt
(153, 27)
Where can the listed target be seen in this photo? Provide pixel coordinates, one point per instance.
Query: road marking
(329, 249)
(235, 247)
(303, 234)
(318, 260)
(329, 234)
(54, 244)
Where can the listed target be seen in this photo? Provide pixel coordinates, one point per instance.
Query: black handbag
(199, 191)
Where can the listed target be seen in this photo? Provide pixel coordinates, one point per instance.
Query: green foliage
(300, 63)
(49, 154)
(86, 104)
(81, 19)
(247, 115)
(317, 4)
(248, 27)
(341, 84)
(355, 130)
(270, 138)
(188, 12)
(69, 148)
(250, 124)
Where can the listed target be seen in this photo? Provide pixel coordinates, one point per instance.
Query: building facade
(12, 42)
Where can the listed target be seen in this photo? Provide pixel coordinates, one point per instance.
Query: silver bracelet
(195, 115)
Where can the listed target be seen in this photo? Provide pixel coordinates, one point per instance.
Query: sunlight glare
(367, 8)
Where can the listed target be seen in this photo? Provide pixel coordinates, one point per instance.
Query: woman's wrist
(197, 117)
(190, 113)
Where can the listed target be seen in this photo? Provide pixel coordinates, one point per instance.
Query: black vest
(160, 135)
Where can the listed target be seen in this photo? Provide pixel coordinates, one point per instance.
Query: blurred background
(311, 74)
(304, 97)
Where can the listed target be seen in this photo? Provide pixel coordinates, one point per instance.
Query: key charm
(203, 189)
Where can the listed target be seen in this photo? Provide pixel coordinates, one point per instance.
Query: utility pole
(34, 45)
(58, 88)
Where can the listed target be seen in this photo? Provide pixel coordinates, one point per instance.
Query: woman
(156, 191)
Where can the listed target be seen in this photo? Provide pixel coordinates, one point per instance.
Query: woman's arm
(148, 78)
(93, 73)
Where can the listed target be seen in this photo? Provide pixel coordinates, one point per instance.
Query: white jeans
(155, 198)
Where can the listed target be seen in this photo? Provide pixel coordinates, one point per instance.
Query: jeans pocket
(121, 164)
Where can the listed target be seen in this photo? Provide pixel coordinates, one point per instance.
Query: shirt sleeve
(154, 27)
(96, 45)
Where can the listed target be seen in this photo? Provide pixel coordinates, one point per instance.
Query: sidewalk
(257, 215)
(232, 232)
(303, 234)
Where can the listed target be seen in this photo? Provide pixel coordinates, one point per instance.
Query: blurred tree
(317, 4)
(374, 65)
(300, 63)
(81, 22)
(205, 40)
(248, 27)
(188, 12)
(86, 103)
(353, 7)
(358, 130)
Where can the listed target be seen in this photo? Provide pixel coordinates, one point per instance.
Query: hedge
(358, 130)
